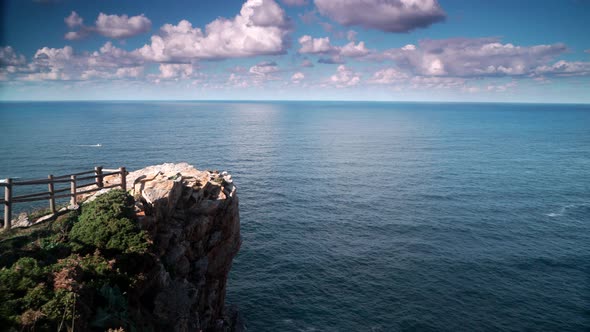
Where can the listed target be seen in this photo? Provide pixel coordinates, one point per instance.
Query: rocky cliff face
(193, 219)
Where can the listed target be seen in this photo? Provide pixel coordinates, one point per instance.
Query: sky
(374, 50)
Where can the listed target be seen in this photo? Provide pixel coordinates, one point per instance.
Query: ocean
(362, 216)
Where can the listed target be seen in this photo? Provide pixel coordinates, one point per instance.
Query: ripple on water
(364, 216)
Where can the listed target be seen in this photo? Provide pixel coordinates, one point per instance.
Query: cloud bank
(463, 57)
(261, 32)
(261, 28)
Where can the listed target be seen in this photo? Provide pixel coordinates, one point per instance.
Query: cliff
(193, 219)
(158, 260)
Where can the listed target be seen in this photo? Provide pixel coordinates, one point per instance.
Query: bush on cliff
(106, 223)
(73, 272)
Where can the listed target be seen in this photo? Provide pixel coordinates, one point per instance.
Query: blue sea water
(363, 216)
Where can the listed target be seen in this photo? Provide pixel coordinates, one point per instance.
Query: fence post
(99, 181)
(73, 200)
(8, 204)
(123, 178)
(51, 194)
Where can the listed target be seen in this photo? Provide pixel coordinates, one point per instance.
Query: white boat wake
(89, 145)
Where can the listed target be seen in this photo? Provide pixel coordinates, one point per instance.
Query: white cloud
(8, 57)
(131, 72)
(345, 77)
(389, 76)
(264, 13)
(74, 20)
(323, 46)
(409, 47)
(385, 15)
(50, 64)
(115, 26)
(94, 74)
(311, 45)
(109, 62)
(54, 54)
(261, 28)
(564, 68)
(264, 69)
(237, 81)
(402, 80)
(112, 26)
(297, 77)
(76, 35)
(354, 50)
(175, 71)
(52, 75)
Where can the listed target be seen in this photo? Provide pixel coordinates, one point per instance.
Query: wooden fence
(75, 180)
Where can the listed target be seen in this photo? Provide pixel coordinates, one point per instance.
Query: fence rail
(98, 175)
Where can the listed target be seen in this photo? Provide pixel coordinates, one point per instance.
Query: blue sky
(420, 50)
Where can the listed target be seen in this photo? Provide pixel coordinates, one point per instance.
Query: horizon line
(292, 100)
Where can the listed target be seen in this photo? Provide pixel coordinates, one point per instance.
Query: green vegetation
(106, 224)
(78, 272)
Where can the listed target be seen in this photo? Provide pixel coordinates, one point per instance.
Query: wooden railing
(98, 175)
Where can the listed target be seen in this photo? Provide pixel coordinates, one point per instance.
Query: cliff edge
(193, 220)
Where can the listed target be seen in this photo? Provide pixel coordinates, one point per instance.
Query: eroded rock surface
(193, 218)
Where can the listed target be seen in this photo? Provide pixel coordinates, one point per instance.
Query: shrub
(57, 289)
(63, 224)
(107, 224)
(19, 288)
(60, 308)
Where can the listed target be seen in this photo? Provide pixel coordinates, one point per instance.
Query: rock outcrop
(193, 219)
